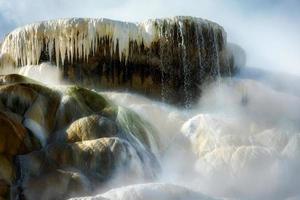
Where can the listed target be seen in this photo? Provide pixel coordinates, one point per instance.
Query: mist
(241, 140)
(37, 72)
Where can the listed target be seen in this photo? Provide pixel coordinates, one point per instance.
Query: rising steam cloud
(240, 141)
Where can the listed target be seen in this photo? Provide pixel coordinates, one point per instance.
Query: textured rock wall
(164, 58)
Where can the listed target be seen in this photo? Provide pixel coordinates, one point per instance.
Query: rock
(92, 100)
(14, 78)
(138, 130)
(71, 138)
(42, 113)
(273, 139)
(91, 127)
(102, 156)
(7, 172)
(59, 184)
(14, 140)
(79, 102)
(4, 190)
(17, 98)
(166, 59)
(98, 160)
(12, 136)
(36, 103)
(7, 175)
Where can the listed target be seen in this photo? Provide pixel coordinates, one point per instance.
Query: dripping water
(162, 67)
(186, 67)
(200, 46)
(216, 60)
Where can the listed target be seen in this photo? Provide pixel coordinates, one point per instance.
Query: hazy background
(268, 30)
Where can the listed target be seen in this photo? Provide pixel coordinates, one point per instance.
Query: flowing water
(228, 146)
(241, 140)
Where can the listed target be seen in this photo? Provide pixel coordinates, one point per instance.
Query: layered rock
(71, 138)
(163, 58)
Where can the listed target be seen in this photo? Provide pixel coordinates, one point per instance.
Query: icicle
(186, 70)
(200, 45)
(57, 51)
(50, 48)
(216, 54)
(72, 39)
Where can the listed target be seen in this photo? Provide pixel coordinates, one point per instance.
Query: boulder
(78, 102)
(36, 104)
(12, 136)
(91, 127)
(59, 184)
(97, 160)
(57, 143)
(15, 78)
(4, 190)
(7, 175)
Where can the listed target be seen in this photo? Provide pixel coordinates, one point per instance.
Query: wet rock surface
(166, 59)
(60, 143)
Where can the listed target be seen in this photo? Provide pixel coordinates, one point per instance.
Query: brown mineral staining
(166, 59)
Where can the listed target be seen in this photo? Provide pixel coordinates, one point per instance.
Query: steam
(241, 140)
(243, 132)
(45, 73)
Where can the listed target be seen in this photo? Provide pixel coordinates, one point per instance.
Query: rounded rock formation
(69, 136)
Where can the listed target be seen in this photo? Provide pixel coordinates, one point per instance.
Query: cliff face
(163, 58)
